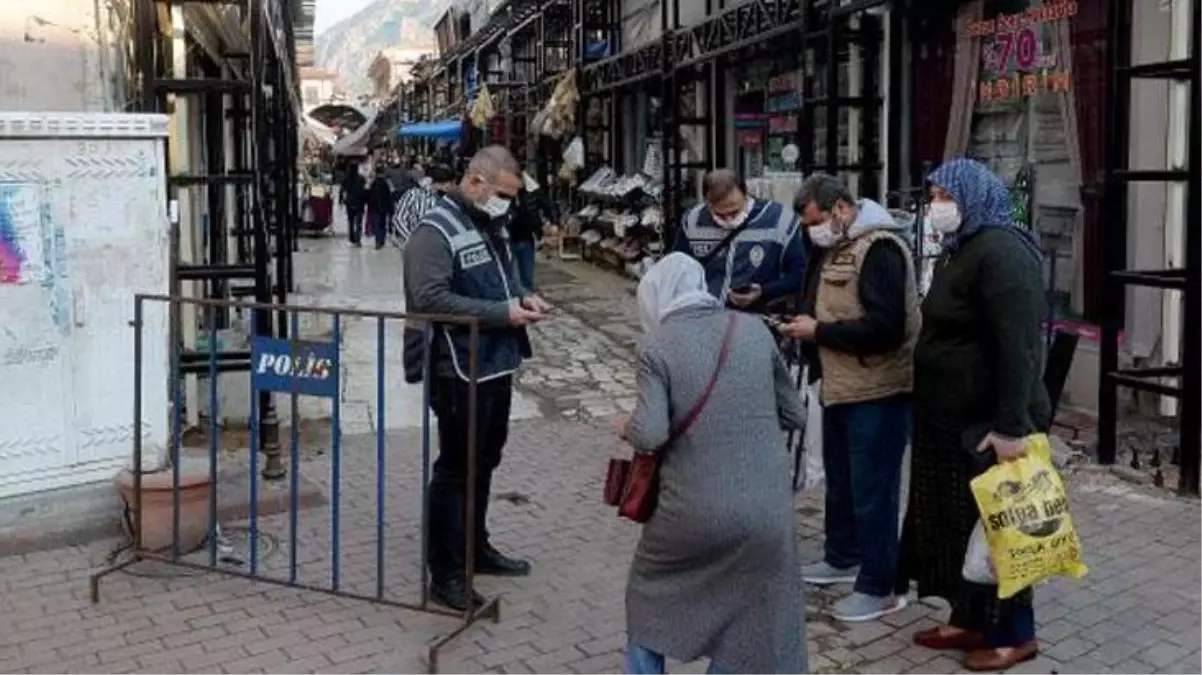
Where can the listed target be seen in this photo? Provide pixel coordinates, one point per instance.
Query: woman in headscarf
(715, 574)
(978, 391)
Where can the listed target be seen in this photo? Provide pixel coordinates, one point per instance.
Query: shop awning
(446, 130)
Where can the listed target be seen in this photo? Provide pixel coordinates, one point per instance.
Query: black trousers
(449, 484)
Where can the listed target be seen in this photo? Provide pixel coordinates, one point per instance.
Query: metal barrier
(298, 368)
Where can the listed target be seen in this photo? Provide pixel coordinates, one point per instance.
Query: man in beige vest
(859, 322)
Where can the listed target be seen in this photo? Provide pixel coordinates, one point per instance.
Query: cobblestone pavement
(1137, 611)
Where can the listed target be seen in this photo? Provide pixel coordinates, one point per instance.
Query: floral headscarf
(984, 202)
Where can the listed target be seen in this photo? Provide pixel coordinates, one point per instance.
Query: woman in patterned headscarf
(978, 390)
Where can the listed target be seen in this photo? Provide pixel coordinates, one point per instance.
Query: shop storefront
(1027, 97)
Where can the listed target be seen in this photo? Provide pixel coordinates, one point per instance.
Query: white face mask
(496, 206)
(735, 220)
(823, 235)
(943, 217)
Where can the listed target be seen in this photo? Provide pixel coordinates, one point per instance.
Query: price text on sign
(1056, 10)
(308, 368)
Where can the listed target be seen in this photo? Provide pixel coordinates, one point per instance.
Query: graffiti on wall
(12, 255)
(33, 248)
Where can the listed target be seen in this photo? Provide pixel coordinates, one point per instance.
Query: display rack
(620, 221)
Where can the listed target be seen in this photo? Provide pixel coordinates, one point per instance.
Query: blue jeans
(354, 223)
(523, 257)
(1018, 630)
(862, 449)
(378, 224)
(643, 661)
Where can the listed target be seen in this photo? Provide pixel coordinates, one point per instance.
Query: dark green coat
(977, 368)
(980, 354)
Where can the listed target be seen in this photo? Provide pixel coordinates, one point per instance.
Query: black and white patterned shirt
(409, 211)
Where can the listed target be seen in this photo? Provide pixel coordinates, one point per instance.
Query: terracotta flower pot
(156, 521)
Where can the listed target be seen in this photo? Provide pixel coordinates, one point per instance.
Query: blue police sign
(309, 368)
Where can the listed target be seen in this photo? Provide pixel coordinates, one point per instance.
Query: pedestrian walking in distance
(859, 321)
(457, 262)
(715, 573)
(353, 195)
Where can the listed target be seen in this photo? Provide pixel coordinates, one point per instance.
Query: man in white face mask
(458, 262)
(751, 249)
(859, 324)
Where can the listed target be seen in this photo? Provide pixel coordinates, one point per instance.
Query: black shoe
(492, 562)
(454, 594)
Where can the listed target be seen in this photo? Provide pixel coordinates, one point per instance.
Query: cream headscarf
(673, 283)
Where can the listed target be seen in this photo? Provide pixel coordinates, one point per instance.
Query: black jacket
(379, 197)
(354, 189)
(529, 210)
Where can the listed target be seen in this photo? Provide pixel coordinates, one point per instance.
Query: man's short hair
(719, 183)
(824, 190)
(493, 161)
(440, 173)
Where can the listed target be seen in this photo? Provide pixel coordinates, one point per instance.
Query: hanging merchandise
(573, 159)
(653, 164)
(483, 109)
(558, 117)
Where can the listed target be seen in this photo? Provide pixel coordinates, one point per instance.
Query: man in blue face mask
(751, 249)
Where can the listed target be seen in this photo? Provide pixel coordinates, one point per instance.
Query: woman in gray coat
(715, 574)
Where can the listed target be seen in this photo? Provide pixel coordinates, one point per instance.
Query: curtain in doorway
(964, 81)
(1062, 45)
(933, 66)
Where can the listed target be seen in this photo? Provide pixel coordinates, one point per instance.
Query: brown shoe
(1001, 658)
(949, 638)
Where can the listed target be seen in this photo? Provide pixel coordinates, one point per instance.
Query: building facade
(879, 92)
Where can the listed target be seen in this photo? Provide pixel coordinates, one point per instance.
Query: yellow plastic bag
(1024, 508)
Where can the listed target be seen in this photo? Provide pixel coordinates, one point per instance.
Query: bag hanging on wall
(632, 485)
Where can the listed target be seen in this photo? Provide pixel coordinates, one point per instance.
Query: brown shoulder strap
(694, 412)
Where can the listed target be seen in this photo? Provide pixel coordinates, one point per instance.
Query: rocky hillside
(348, 47)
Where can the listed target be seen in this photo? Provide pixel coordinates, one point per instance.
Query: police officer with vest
(457, 262)
(860, 314)
(751, 249)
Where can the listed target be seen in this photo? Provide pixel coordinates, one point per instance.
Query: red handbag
(632, 485)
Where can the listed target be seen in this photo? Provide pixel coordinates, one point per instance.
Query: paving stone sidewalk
(1137, 611)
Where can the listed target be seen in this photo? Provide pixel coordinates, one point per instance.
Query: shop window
(767, 109)
(1031, 78)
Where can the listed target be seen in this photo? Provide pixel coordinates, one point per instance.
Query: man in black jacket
(353, 195)
(526, 229)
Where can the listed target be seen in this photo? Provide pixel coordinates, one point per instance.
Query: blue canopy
(446, 129)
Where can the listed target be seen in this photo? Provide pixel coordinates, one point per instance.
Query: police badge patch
(756, 254)
(474, 255)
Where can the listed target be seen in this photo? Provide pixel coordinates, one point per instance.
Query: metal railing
(296, 368)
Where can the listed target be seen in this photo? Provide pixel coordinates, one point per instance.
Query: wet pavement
(1136, 612)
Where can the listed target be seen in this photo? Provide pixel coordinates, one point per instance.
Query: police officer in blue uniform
(458, 262)
(752, 250)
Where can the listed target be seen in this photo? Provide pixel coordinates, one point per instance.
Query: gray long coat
(715, 574)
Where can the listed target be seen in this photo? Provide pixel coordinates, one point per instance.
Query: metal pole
(1114, 239)
(1191, 361)
(269, 423)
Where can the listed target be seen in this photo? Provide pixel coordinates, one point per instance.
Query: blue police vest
(755, 256)
(479, 272)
